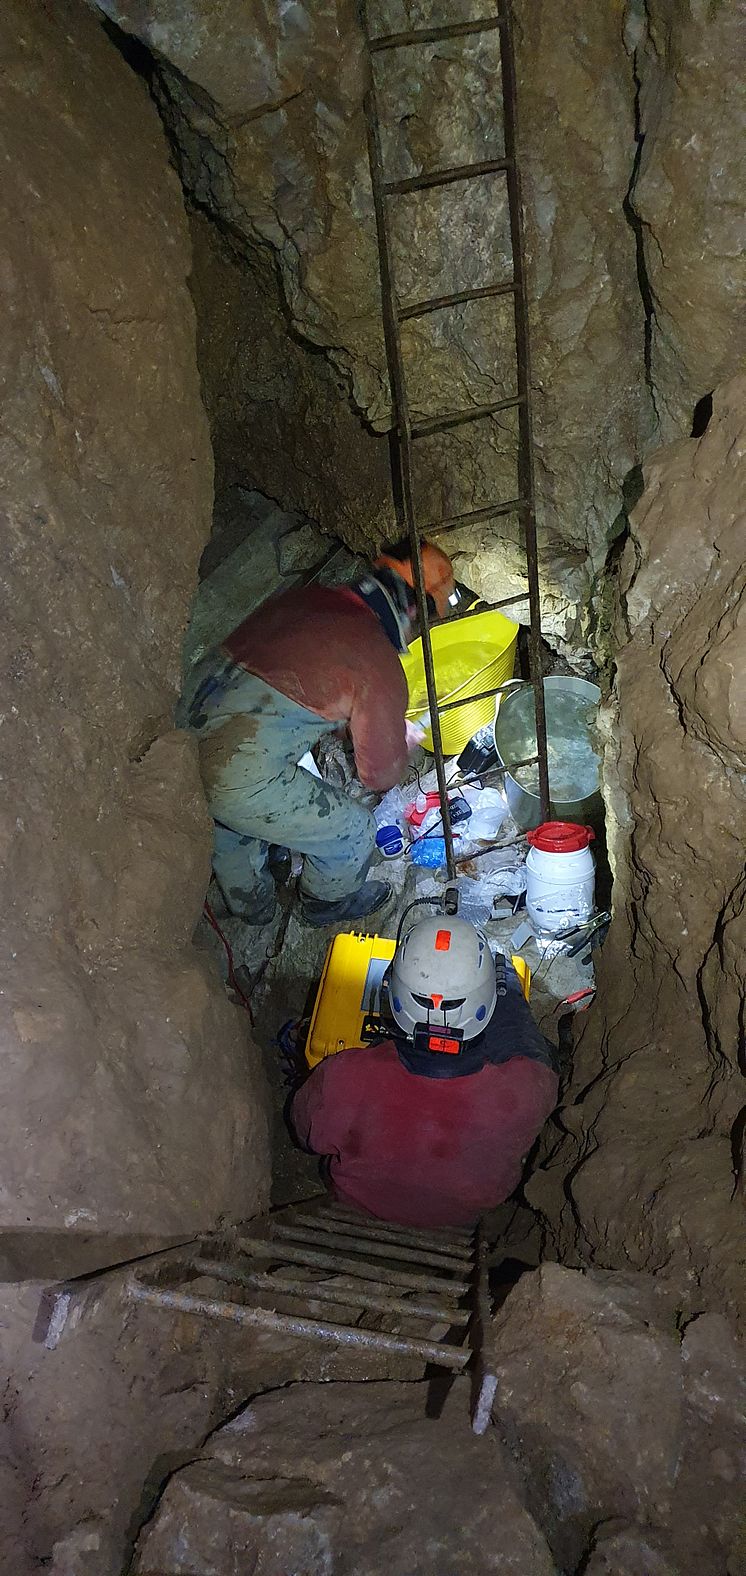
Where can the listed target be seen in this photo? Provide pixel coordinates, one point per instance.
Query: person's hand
(415, 735)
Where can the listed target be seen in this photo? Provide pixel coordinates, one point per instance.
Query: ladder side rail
(526, 466)
(401, 413)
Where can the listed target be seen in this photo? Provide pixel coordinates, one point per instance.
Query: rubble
(350, 1479)
(627, 1436)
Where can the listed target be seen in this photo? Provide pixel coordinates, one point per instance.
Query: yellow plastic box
(350, 991)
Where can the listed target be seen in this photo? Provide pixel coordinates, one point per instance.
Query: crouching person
(431, 1127)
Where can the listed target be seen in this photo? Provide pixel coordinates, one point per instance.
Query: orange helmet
(436, 567)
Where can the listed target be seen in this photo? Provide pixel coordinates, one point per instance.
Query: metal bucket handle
(507, 685)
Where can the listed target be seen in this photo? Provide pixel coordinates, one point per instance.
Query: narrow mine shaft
(372, 945)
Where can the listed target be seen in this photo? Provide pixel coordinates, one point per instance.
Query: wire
(544, 966)
(417, 902)
(415, 769)
(232, 980)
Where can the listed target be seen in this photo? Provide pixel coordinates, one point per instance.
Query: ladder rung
(436, 303)
(424, 429)
(434, 35)
(453, 522)
(345, 1335)
(294, 1253)
(330, 1291)
(457, 172)
(328, 1239)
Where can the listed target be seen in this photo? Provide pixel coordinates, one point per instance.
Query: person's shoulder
(356, 1057)
(519, 1071)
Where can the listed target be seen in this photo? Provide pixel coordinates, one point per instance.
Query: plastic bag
(489, 809)
(390, 810)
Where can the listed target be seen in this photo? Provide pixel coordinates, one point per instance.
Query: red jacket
(422, 1151)
(322, 647)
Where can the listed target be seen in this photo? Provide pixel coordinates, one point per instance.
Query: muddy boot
(369, 899)
(257, 909)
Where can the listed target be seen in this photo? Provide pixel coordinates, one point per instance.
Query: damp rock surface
(632, 163)
(132, 1109)
(690, 61)
(629, 1439)
(349, 1479)
(651, 1156)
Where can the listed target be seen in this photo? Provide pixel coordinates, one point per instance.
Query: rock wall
(623, 1411)
(132, 1105)
(689, 59)
(631, 174)
(650, 1170)
(278, 416)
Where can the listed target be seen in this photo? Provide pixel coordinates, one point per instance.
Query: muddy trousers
(251, 738)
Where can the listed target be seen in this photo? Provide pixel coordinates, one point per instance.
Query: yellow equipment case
(348, 1006)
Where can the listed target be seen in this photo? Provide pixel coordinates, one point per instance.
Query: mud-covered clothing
(324, 649)
(250, 741)
(301, 666)
(429, 1151)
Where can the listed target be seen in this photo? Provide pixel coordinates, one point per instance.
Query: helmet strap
(377, 596)
(417, 1058)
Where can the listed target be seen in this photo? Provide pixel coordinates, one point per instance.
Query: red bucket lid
(560, 837)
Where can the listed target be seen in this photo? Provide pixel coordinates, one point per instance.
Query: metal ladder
(382, 1284)
(407, 433)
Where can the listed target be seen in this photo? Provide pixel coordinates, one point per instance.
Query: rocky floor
(617, 1449)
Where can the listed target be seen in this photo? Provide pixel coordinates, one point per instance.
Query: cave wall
(631, 173)
(649, 1171)
(132, 1104)
(278, 417)
(689, 59)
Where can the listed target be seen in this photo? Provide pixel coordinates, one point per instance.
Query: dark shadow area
(701, 415)
(137, 55)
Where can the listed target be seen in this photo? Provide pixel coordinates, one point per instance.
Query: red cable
(232, 981)
(578, 995)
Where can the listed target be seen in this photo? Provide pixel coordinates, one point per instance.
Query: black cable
(417, 902)
(545, 965)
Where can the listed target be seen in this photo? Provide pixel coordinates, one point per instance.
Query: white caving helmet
(443, 976)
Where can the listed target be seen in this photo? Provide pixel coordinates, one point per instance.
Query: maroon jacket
(422, 1151)
(323, 648)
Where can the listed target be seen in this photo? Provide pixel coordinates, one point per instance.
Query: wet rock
(627, 1553)
(583, 1369)
(353, 1479)
(690, 60)
(653, 1145)
(132, 1101)
(630, 1441)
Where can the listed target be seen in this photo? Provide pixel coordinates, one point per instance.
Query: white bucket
(560, 876)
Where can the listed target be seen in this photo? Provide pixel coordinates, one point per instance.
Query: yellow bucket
(469, 655)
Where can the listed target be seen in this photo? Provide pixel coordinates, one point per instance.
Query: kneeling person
(431, 1127)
